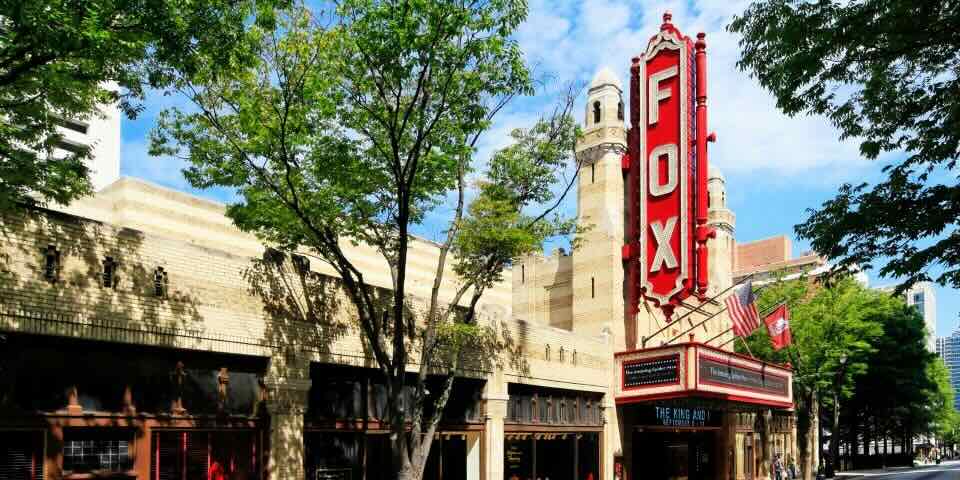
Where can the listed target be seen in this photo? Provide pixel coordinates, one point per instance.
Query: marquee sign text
(725, 374)
(650, 372)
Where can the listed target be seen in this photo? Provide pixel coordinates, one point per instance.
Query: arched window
(596, 112)
(620, 110)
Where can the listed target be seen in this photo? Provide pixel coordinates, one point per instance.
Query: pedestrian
(778, 467)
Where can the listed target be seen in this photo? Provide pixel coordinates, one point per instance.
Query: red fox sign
(666, 164)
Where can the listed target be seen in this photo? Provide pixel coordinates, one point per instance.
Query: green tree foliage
(61, 59)
(865, 350)
(352, 128)
(832, 339)
(906, 389)
(884, 72)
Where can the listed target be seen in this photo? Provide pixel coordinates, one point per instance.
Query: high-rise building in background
(948, 348)
(922, 297)
(101, 131)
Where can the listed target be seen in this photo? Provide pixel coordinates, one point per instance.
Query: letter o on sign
(658, 189)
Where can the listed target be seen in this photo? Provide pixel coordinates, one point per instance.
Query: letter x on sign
(661, 235)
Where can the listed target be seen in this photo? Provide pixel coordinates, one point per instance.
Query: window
(561, 353)
(70, 146)
(96, 450)
(109, 276)
(21, 454)
(51, 264)
(523, 274)
(593, 172)
(573, 358)
(75, 125)
(596, 112)
(160, 283)
(620, 110)
(546, 353)
(593, 287)
(191, 455)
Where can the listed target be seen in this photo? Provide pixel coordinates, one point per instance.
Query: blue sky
(776, 167)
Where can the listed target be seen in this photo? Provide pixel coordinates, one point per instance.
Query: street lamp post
(834, 433)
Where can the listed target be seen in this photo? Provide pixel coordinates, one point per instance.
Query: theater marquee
(694, 370)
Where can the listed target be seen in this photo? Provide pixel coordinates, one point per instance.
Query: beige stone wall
(542, 290)
(225, 298)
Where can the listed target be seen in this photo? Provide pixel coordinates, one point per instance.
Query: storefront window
(211, 455)
(518, 457)
(557, 452)
(588, 456)
(552, 456)
(94, 450)
(333, 456)
(21, 455)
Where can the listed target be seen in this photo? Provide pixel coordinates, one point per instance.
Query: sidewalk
(893, 470)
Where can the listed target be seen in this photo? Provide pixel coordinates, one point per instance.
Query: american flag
(743, 310)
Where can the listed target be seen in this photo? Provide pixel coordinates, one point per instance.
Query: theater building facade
(143, 336)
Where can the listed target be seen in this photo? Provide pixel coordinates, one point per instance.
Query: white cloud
(754, 136)
(572, 39)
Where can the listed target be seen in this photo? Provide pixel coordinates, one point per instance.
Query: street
(945, 471)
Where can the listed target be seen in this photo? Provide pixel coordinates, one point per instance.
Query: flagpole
(713, 298)
(693, 327)
(643, 340)
(718, 336)
(766, 312)
(747, 346)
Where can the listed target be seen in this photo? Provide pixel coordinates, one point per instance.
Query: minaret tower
(724, 222)
(597, 268)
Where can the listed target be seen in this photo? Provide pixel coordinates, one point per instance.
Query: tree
(832, 339)
(884, 72)
(903, 391)
(353, 128)
(63, 59)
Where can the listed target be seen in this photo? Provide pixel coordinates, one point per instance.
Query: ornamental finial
(667, 17)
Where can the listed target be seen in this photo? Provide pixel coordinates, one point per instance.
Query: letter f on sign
(656, 94)
(661, 235)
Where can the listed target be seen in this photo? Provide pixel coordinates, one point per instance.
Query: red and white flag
(778, 326)
(743, 310)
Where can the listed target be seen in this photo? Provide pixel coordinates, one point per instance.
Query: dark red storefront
(78, 409)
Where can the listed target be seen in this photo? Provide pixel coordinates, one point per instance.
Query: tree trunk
(807, 425)
(835, 434)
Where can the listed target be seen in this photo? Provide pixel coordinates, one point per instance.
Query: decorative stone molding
(592, 154)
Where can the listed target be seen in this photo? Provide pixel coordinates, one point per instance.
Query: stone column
(495, 400)
(495, 410)
(766, 444)
(610, 442)
(288, 384)
(474, 454)
(726, 447)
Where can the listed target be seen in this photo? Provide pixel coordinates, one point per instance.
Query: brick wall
(762, 252)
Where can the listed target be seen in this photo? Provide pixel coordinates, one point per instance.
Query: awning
(695, 370)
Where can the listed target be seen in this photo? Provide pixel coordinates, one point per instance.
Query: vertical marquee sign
(666, 173)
